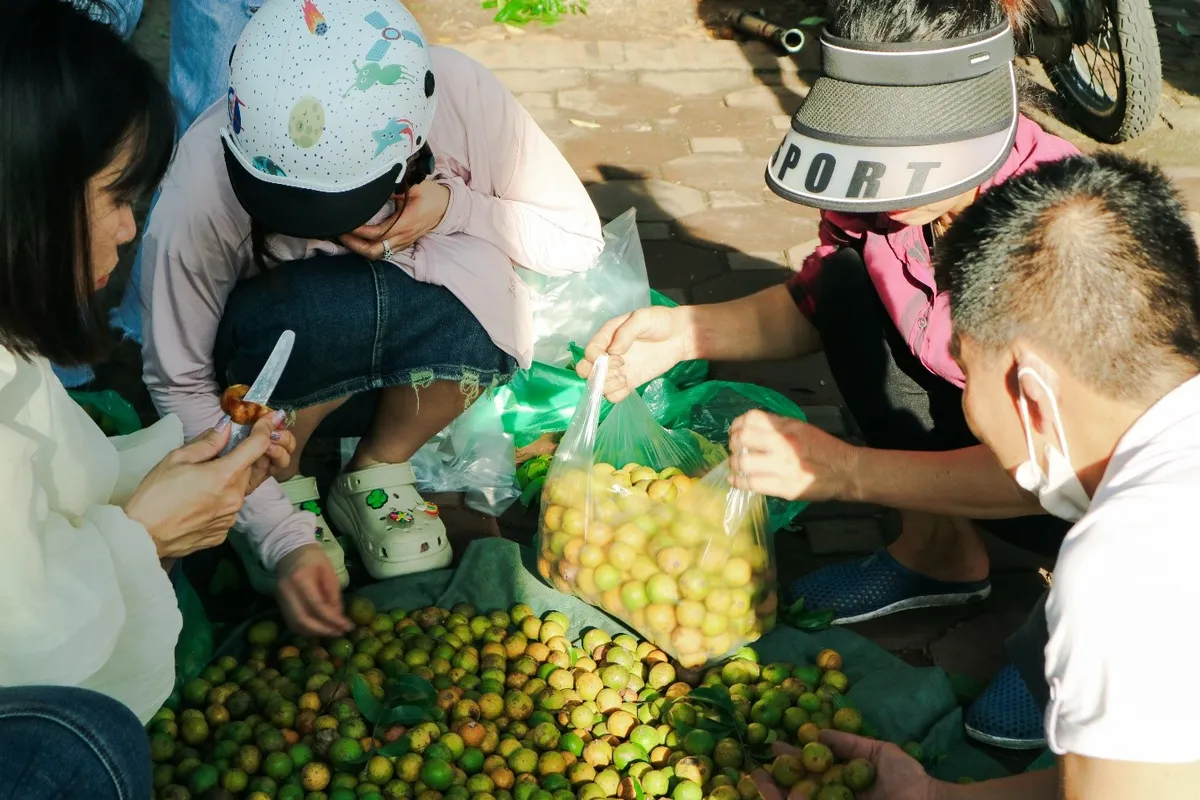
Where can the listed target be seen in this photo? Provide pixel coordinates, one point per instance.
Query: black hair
(919, 20)
(420, 167)
(73, 98)
(1089, 259)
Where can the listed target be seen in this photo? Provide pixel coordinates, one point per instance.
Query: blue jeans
(360, 326)
(64, 743)
(203, 33)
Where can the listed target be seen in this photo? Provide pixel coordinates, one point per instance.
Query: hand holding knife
(263, 386)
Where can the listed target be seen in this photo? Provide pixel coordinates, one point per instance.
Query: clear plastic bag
(472, 455)
(573, 307)
(678, 555)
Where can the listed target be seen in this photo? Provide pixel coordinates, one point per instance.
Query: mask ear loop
(1024, 403)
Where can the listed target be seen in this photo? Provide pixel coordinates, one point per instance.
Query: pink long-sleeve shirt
(898, 260)
(514, 199)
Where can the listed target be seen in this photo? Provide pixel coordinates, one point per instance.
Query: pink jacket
(898, 260)
(514, 199)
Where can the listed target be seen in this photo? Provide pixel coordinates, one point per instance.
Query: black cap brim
(308, 213)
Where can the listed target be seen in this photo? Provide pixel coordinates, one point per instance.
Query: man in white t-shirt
(1075, 296)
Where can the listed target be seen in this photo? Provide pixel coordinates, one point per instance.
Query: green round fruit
(437, 774)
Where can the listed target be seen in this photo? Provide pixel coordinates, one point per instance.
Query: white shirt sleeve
(83, 599)
(1122, 655)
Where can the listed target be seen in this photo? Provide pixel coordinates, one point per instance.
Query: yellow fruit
(603, 470)
(643, 474)
(737, 572)
(599, 533)
(690, 614)
(682, 483)
(553, 518)
(662, 491)
(574, 522)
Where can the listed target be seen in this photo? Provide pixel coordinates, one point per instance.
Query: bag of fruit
(676, 554)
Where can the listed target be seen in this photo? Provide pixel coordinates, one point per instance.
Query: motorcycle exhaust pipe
(791, 40)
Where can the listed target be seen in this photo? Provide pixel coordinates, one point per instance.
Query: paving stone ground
(657, 108)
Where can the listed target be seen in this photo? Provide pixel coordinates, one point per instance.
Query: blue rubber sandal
(879, 585)
(1006, 714)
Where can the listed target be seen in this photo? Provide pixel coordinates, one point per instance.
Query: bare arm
(959, 483)
(765, 326)
(1041, 785)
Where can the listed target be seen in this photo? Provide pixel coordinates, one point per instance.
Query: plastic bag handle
(580, 439)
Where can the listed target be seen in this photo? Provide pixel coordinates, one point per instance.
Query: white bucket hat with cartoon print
(329, 100)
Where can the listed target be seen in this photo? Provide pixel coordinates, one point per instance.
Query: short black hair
(73, 97)
(1092, 260)
(894, 21)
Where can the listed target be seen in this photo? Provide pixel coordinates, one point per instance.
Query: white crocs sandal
(303, 495)
(397, 532)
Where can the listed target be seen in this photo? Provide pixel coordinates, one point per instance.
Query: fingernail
(276, 436)
(278, 417)
(223, 423)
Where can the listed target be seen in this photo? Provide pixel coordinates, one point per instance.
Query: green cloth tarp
(905, 703)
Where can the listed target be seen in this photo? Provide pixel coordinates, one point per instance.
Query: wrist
(849, 468)
(691, 346)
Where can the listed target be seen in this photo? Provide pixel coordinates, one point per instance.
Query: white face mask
(1060, 491)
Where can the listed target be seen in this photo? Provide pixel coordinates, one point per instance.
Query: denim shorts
(360, 326)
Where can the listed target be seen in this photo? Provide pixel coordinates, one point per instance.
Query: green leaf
(395, 749)
(532, 491)
(1183, 31)
(797, 617)
(717, 697)
(808, 22)
(368, 706)
(404, 715)
(414, 690)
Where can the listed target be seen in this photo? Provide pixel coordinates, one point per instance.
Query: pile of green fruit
(658, 551)
(461, 705)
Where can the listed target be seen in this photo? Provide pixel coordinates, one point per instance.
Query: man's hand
(640, 346)
(417, 213)
(784, 457)
(309, 595)
(897, 775)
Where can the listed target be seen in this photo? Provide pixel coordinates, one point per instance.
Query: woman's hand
(788, 458)
(417, 213)
(190, 500)
(897, 775)
(640, 346)
(309, 595)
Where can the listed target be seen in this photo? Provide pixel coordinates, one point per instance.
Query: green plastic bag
(113, 413)
(195, 646)
(709, 408)
(542, 399)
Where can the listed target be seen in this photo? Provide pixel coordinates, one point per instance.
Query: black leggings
(900, 405)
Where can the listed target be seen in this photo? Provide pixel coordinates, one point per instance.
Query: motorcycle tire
(1130, 26)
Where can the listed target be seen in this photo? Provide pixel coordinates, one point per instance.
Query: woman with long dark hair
(88, 618)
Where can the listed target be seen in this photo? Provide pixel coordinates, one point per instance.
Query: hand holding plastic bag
(681, 558)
